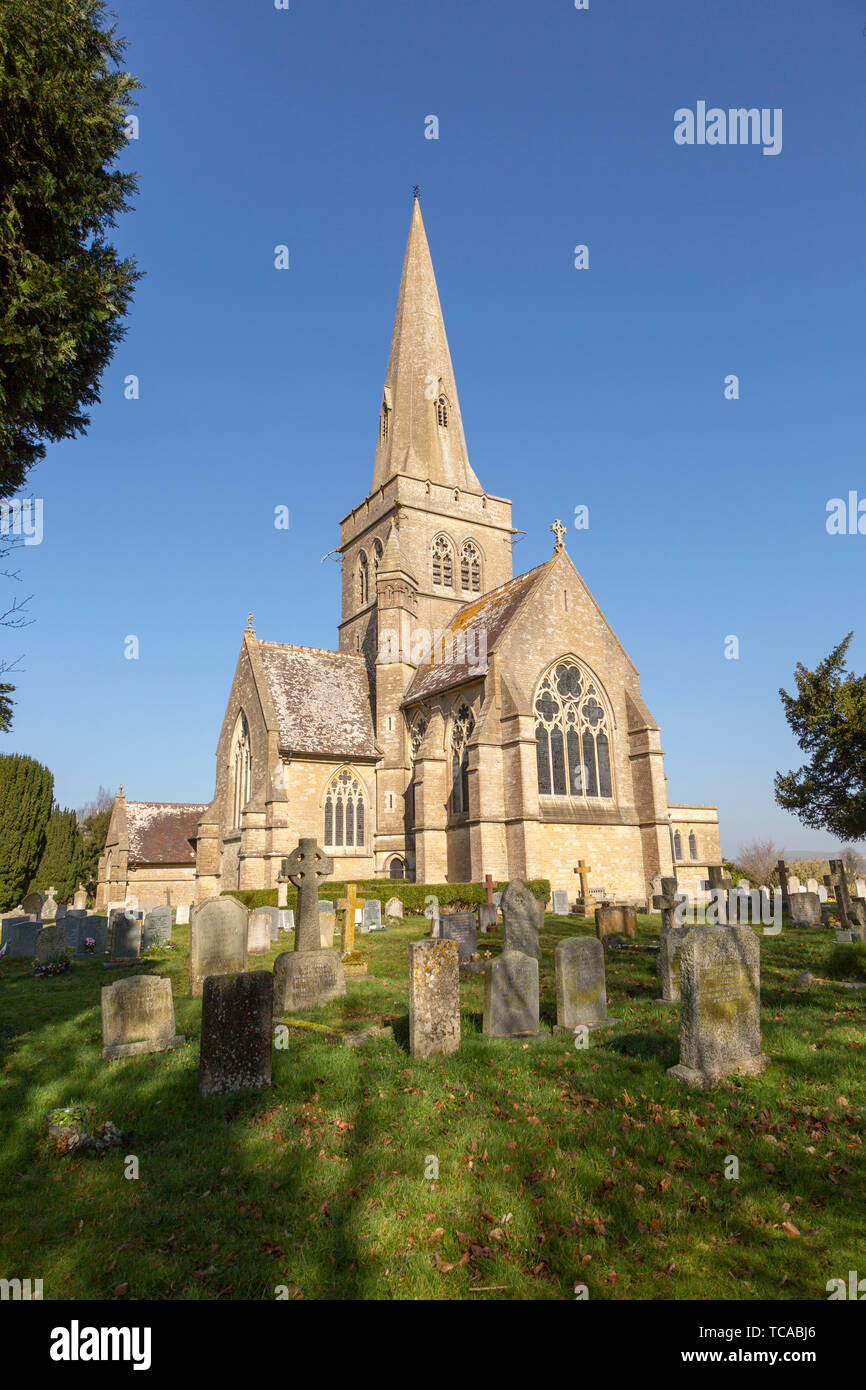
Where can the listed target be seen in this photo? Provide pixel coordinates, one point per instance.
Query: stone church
(469, 721)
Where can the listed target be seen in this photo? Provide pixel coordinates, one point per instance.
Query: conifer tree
(26, 791)
(61, 862)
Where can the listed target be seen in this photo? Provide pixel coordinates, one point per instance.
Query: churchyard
(388, 1143)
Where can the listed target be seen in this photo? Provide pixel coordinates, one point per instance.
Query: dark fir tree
(65, 290)
(828, 718)
(61, 861)
(26, 790)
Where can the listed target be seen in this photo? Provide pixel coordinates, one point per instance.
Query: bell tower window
(442, 412)
(443, 564)
(470, 568)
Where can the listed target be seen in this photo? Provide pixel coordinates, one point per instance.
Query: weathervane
(416, 193)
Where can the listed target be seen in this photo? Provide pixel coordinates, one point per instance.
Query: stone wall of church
(613, 854)
(703, 823)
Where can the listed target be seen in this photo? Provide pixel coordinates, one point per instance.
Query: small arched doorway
(397, 868)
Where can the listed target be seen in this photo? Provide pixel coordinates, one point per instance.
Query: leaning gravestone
(581, 997)
(156, 929)
(460, 927)
(308, 976)
(486, 916)
(393, 908)
(805, 909)
(33, 904)
(669, 962)
(218, 940)
(522, 917)
(720, 1006)
(19, 937)
(559, 902)
(372, 918)
(93, 929)
(511, 996)
(126, 939)
(138, 1016)
(236, 1030)
(434, 998)
(50, 941)
(258, 934)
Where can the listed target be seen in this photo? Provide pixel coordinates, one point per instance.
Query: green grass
(556, 1166)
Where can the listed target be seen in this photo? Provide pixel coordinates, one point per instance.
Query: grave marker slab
(218, 940)
(93, 928)
(615, 920)
(138, 1016)
(393, 908)
(559, 901)
(306, 867)
(669, 959)
(80, 899)
(19, 937)
(511, 995)
(287, 919)
(522, 918)
(486, 917)
(434, 998)
(307, 979)
(181, 916)
(581, 996)
(460, 927)
(33, 904)
(50, 941)
(126, 939)
(372, 915)
(431, 912)
(720, 1006)
(811, 885)
(822, 893)
(236, 1027)
(156, 929)
(805, 909)
(327, 925)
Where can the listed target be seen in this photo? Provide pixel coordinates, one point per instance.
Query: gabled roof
(160, 832)
(461, 654)
(321, 699)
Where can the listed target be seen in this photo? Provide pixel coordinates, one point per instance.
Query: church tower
(427, 538)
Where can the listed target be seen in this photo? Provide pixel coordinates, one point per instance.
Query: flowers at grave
(54, 965)
(90, 944)
(71, 1128)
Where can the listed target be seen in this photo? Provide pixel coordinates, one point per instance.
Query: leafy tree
(26, 790)
(65, 290)
(6, 703)
(758, 861)
(828, 718)
(60, 864)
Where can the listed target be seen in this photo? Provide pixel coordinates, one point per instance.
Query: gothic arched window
(240, 766)
(443, 563)
(363, 578)
(693, 845)
(464, 723)
(470, 568)
(378, 552)
(344, 812)
(397, 868)
(442, 412)
(678, 845)
(416, 738)
(572, 735)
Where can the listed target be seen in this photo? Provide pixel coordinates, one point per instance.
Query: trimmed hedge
(411, 895)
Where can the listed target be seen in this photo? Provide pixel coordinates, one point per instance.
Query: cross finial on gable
(559, 531)
(249, 622)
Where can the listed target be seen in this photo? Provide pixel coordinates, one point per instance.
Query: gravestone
(80, 899)
(258, 933)
(50, 941)
(326, 905)
(665, 902)
(217, 940)
(487, 885)
(811, 885)
(805, 909)
(783, 882)
(839, 883)
(156, 929)
(720, 1006)
(309, 976)
(860, 887)
(559, 901)
(19, 937)
(615, 920)
(431, 912)
(138, 1016)
(287, 919)
(844, 938)
(181, 916)
(393, 908)
(282, 894)
(857, 918)
(273, 915)
(581, 997)
(434, 998)
(327, 925)
(486, 917)
(126, 939)
(72, 924)
(372, 915)
(794, 885)
(522, 917)
(49, 907)
(511, 995)
(669, 957)
(584, 871)
(236, 1028)
(93, 929)
(60, 912)
(497, 900)
(460, 927)
(822, 893)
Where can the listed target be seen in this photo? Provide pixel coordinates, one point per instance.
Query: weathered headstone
(72, 924)
(720, 1006)
(307, 979)
(822, 893)
(49, 907)
(615, 920)
(559, 901)
(258, 933)
(282, 894)
(497, 900)
(287, 919)
(486, 916)
(393, 908)
(522, 918)
(811, 885)
(327, 925)
(138, 1016)
(93, 929)
(80, 898)
(860, 887)
(665, 902)
(126, 939)
(794, 885)
(511, 995)
(19, 937)
(434, 998)
(217, 940)
(431, 911)
(236, 1030)
(156, 928)
(670, 952)
(181, 915)
(50, 941)
(273, 916)
(581, 997)
(460, 927)
(372, 915)
(839, 883)
(805, 909)
(857, 918)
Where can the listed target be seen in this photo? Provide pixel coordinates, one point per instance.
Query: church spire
(420, 427)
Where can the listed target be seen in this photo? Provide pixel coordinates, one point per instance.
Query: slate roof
(160, 831)
(461, 654)
(322, 700)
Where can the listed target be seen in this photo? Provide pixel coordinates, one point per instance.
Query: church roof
(461, 654)
(419, 438)
(321, 699)
(160, 832)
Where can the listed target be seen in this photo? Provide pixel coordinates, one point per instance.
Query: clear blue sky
(601, 387)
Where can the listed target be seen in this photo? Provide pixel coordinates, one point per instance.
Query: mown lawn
(557, 1167)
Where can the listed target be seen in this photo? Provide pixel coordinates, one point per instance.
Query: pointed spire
(420, 427)
(393, 560)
